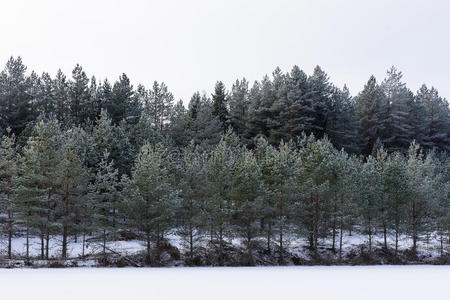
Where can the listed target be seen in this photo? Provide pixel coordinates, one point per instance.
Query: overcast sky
(191, 44)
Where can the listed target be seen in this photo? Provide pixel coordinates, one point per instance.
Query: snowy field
(377, 282)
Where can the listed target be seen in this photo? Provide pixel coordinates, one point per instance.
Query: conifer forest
(290, 169)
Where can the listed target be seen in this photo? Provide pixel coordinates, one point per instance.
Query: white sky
(192, 44)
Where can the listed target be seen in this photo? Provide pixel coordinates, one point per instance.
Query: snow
(375, 282)
(294, 244)
(74, 249)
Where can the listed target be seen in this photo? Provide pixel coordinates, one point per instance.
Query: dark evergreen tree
(9, 170)
(15, 98)
(239, 105)
(321, 92)
(343, 124)
(368, 104)
(120, 105)
(395, 130)
(79, 97)
(297, 114)
(437, 119)
(219, 99)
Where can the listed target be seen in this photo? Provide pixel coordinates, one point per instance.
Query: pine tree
(150, 195)
(343, 125)
(282, 188)
(221, 166)
(29, 204)
(278, 106)
(120, 105)
(194, 105)
(15, 100)
(421, 182)
(79, 97)
(396, 190)
(113, 139)
(159, 106)
(95, 102)
(370, 191)
(103, 195)
(203, 127)
(239, 106)
(9, 159)
(72, 186)
(45, 100)
(43, 157)
(192, 184)
(261, 119)
(344, 184)
(178, 125)
(219, 99)
(437, 119)
(321, 91)
(247, 195)
(61, 92)
(313, 179)
(297, 114)
(395, 132)
(368, 104)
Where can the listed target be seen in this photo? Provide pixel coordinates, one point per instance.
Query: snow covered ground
(293, 244)
(376, 282)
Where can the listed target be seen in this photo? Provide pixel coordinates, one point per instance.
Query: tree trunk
(334, 223)
(281, 231)
(84, 243)
(47, 234)
(191, 239)
(42, 245)
(66, 222)
(47, 242)
(341, 232)
(414, 215)
(10, 226)
(370, 234)
(316, 221)
(396, 239)
(104, 244)
(249, 244)
(385, 234)
(28, 241)
(147, 235)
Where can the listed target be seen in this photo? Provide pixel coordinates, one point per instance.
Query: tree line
(291, 156)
